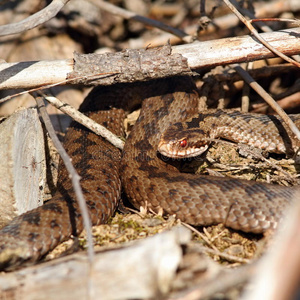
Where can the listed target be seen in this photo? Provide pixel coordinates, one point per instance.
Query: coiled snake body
(147, 180)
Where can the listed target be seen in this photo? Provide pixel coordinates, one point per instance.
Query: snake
(192, 137)
(147, 179)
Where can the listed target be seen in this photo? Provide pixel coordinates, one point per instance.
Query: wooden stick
(197, 55)
(38, 18)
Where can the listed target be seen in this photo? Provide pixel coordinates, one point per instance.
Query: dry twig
(38, 18)
(84, 120)
(215, 250)
(216, 52)
(268, 99)
(258, 36)
(110, 8)
(75, 181)
(47, 86)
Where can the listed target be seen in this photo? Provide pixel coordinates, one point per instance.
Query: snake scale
(147, 180)
(192, 137)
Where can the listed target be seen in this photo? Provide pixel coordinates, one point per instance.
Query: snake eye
(183, 143)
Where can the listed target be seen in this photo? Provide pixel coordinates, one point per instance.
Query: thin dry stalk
(294, 22)
(84, 120)
(258, 36)
(47, 86)
(75, 182)
(245, 75)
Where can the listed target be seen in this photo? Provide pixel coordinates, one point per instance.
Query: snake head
(183, 143)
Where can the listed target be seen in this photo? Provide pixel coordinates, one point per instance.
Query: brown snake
(192, 137)
(147, 180)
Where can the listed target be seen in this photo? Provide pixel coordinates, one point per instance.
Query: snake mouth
(172, 151)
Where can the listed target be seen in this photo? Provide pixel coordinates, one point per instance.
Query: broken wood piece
(22, 164)
(143, 269)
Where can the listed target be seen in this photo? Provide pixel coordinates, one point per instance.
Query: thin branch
(293, 21)
(258, 36)
(245, 75)
(73, 175)
(226, 256)
(38, 18)
(84, 120)
(215, 250)
(202, 236)
(47, 86)
(247, 13)
(219, 52)
(227, 21)
(128, 15)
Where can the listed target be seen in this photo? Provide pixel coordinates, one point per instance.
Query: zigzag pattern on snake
(146, 179)
(192, 137)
